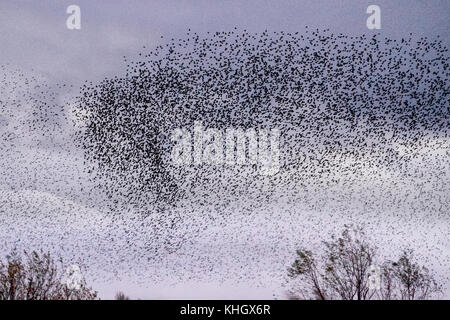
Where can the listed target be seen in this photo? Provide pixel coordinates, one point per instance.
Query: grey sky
(49, 174)
(34, 34)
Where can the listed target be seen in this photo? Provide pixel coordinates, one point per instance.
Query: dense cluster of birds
(364, 125)
(333, 97)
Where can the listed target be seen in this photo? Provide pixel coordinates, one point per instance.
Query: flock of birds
(364, 125)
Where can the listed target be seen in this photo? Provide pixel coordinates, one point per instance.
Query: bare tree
(121, 296)
(37, 278)
(345, 263)
(406, 280)
(344, 272)
(305, 267)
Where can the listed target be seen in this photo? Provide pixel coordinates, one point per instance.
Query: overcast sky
(34, 33)
(48, 172)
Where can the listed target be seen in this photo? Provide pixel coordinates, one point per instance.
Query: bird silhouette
(364, 125)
